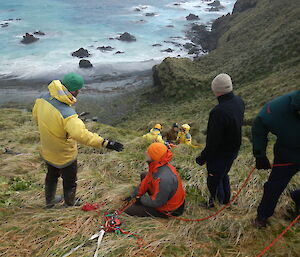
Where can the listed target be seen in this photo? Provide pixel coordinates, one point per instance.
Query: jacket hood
(296, 101)
(154, 131)
(153, 166)
(61, 93)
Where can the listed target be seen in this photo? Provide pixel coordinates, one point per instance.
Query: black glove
(200, 160)
(115, 146)
(262, 163)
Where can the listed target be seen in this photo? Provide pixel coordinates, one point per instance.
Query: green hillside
(259, 48)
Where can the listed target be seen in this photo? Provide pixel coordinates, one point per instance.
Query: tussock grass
(29, 230)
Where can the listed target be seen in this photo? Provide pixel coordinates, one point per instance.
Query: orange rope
(280, 236)
(219, 211)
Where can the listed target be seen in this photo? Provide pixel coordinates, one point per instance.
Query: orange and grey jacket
(164, 186)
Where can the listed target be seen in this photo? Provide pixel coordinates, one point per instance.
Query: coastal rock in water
(215, 3)
(170, 26)
(155, 45)
(29, 38)
(40, 33)
(85, 64)
(119, 52)
(241, 6)
(188, 46)
(137, 10)
(127, 37)
(168, 50)
(214, 9)
(105, 48)
(150, 14)
(192, 17)
(81, 53)
(4, 25)
(194, 50)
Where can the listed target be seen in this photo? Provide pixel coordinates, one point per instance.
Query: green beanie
(73, 81)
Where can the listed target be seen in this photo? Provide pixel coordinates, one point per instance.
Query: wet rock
(150, 14)
(40, 33)
(189, 46)
(95, 118)
(29, 38)
(127, 37)
(194, 50)
(173, 43)
(119, 52)
(81, 53)
(192, 17)
(177, 4)
(170, 26)
(105, 48)
(4, 25)
(85, 64)
(214, 9)
(137, 10)
(168, 50)
(156, 45)
(215, 3)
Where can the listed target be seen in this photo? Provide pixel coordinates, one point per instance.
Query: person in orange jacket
(160, 190)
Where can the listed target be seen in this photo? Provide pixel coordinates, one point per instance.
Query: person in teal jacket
(281, 117)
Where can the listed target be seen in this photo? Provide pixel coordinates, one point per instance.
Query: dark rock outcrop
(119, 52)
(4, 25)
(81, 53)
(150, 14)
(127, 37)
(40, 33)
(105, 48)
(155, 45)
(192, 17)
(29, 38)
(215, 3)
(189, 46)
(85, 64)
(241, 6)
(168, 50)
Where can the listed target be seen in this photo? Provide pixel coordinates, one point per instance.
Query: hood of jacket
(296, 101)
(60, 92)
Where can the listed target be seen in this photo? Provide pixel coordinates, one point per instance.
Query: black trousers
(296, 197)
(218, 181)
(273, 188)
(68, 174)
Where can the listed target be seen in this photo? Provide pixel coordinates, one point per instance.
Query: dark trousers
(273, 188)
(68, 174)
(296, 197)
(218, 182)
(140, 210)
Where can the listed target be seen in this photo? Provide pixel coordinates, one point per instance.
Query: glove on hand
(115, 146)
(200, 160)
(263, 163)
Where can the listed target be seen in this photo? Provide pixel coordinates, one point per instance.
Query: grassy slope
(28, 230)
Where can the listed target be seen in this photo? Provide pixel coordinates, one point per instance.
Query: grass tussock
(29, 230)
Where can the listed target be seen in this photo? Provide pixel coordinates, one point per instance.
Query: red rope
(219, 211)
(280, 236)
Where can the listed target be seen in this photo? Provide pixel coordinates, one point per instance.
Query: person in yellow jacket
(60, 130)
(184, 136)
(155, 135)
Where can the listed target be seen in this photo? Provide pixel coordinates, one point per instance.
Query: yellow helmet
(186, 127)
(158, 126)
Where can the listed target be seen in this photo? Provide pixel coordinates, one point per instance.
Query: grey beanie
(222, 84)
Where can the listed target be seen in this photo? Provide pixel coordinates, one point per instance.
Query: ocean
(71, 24)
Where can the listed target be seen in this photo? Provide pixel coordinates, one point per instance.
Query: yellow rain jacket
(154, 136)
(184, 138)
(60, 127)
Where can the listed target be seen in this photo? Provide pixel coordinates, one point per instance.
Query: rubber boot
(51, 198)
(70, 200)
(260, 222)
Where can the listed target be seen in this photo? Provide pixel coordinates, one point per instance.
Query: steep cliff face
(260, 38)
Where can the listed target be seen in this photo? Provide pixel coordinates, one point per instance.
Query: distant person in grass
(281, 117)
(154, 135)
(60, 130)
(160, 190)
(223, 141)
(171, 134)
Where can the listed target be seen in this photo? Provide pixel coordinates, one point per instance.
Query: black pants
(273, 188)
(218, 182)
(296, 197)
(68, 174)
(140, 210)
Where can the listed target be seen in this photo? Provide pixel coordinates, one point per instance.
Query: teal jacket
(280, 117)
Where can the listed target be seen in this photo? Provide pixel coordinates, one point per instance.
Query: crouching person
(160, 191)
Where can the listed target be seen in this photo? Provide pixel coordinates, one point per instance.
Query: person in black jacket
(224, 136)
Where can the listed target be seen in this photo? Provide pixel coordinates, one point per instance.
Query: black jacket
(224, 130)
